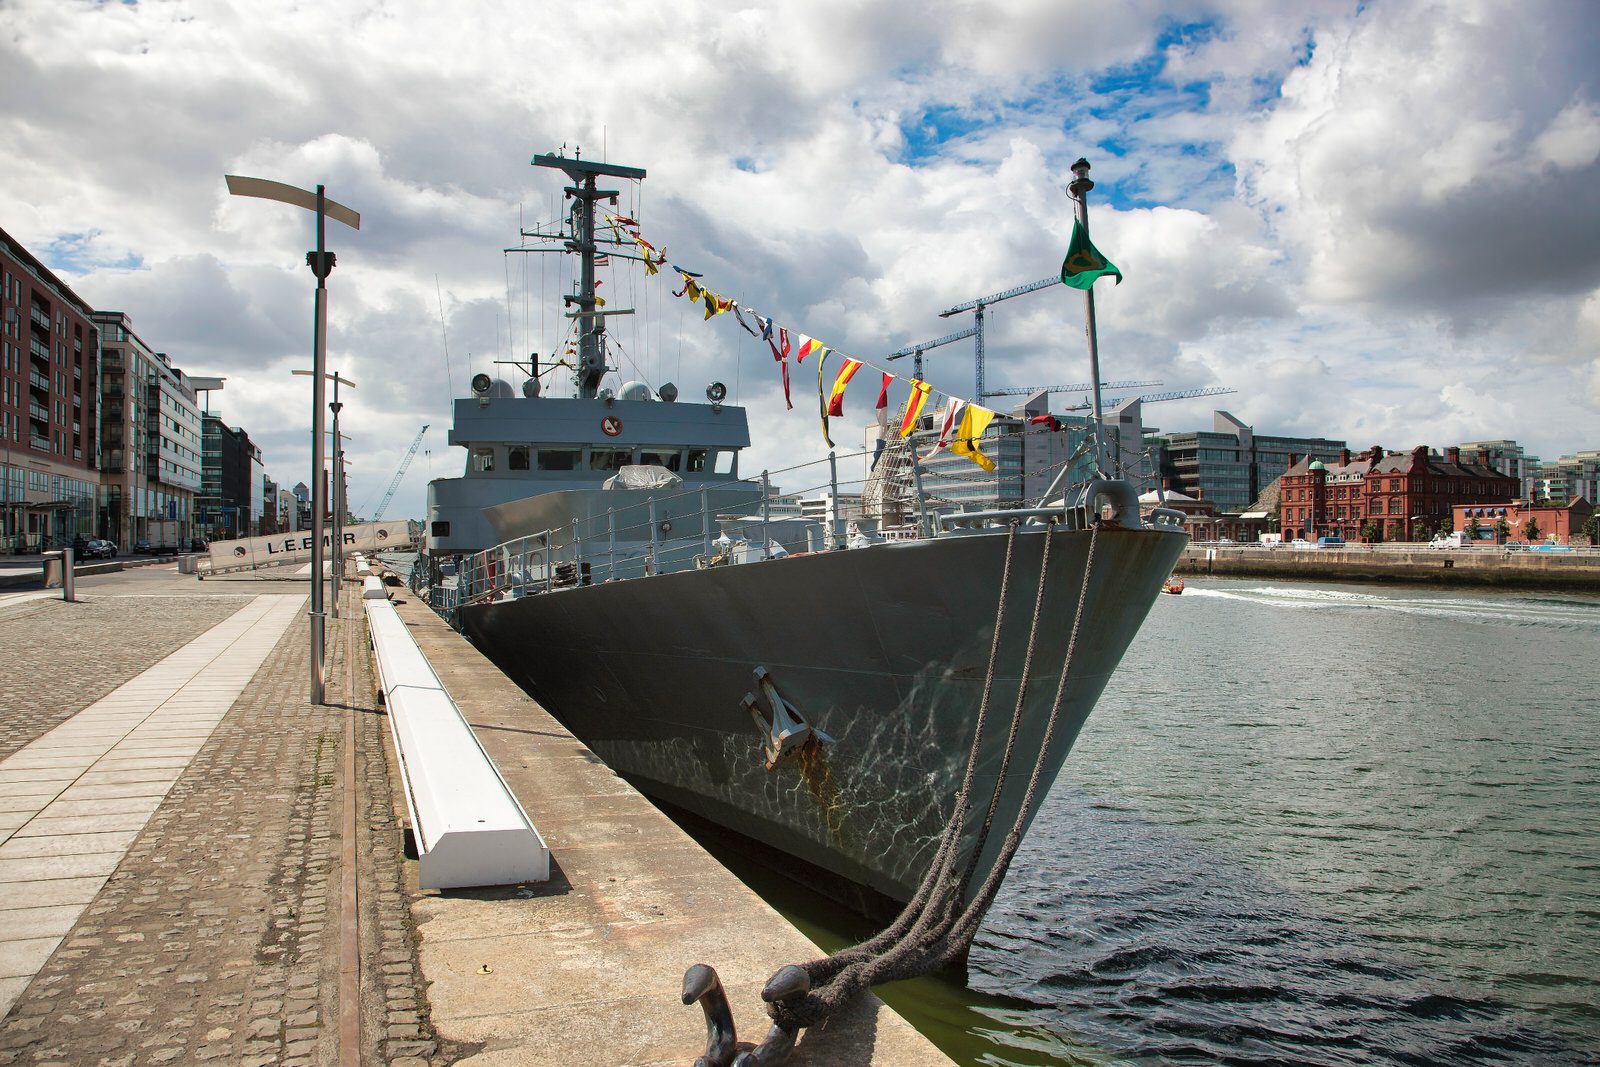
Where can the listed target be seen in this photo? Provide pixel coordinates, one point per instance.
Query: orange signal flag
(836, 398)
(914, 403)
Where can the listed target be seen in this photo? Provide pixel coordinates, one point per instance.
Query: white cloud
(1408, 253)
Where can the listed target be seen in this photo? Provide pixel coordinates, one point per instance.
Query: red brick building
(1320, 499)
(49, 388)
(1557, 523)
(1408, 496)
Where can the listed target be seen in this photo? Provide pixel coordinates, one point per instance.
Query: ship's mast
(591, 323)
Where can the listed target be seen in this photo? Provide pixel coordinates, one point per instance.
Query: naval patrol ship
(813, 690)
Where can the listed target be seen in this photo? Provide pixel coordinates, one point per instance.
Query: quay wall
(1577, 571)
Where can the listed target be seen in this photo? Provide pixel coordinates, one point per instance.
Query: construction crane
(399, 475)
(1152, 398)
(977, 306)
(916, 350)
(1031, 389)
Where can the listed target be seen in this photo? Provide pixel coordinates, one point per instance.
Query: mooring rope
(933, 929)
(930, 933)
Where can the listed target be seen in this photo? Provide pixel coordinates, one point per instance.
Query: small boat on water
(1173, 585)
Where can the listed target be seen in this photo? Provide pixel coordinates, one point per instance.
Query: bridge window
(609, 459)
(725, 459)
(670, 459)
(697, 461)
(517, 459)
(559, 459)
(483, 459)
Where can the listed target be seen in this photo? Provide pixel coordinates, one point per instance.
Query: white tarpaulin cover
(296, 547)
(642, 476)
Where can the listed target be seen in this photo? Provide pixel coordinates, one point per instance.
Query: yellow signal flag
(973, 422)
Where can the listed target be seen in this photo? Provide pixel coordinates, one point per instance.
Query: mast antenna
(590, 323)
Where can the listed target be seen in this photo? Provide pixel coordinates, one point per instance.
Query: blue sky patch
(928, 132)
(71, 253)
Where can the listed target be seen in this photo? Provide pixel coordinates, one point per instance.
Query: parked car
(1330, 542)
(199, 544)
(142, 546)
(99, 549)
(80, 548)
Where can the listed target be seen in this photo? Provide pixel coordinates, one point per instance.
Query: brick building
(1408, 496)
(1557, 522)
(1323, 499)
(49, 389)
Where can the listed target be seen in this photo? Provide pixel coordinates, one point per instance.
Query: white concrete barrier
(372, 588)
(363, 568)
(469, 828)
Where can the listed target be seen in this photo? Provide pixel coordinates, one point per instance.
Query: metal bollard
(68, 578)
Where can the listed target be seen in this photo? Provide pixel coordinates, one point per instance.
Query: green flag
(1084, 263)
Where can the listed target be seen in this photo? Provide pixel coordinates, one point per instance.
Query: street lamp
(321, 264)
(338, 480)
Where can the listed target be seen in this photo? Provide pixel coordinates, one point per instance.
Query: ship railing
(734, 523)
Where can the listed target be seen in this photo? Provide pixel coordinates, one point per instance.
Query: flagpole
(1078, 191)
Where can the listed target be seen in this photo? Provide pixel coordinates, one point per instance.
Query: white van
(1452, 540)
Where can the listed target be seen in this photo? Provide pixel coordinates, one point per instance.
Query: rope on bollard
(933, 929)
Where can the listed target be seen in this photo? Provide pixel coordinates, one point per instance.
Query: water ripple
(1320, 825)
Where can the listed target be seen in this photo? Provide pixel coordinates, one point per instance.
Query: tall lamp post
(337, 510)
(321, 264)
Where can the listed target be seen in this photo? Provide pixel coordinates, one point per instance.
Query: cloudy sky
(1376, 221)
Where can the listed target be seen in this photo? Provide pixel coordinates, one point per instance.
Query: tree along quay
(1575, 570)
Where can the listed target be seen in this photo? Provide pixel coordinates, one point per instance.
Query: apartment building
(49, 391)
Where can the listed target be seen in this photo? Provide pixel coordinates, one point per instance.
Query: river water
(1307, 824)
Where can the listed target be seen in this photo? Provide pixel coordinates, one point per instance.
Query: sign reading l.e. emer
(296, 547)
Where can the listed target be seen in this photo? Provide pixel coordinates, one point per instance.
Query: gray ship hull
(884, 648)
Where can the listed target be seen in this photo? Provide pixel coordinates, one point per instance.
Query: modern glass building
(1230, 465)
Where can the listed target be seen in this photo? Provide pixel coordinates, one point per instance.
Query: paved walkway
(75, 799)
(191, 908)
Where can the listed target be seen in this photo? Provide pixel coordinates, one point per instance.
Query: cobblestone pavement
(217, 938)
(60, 658)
